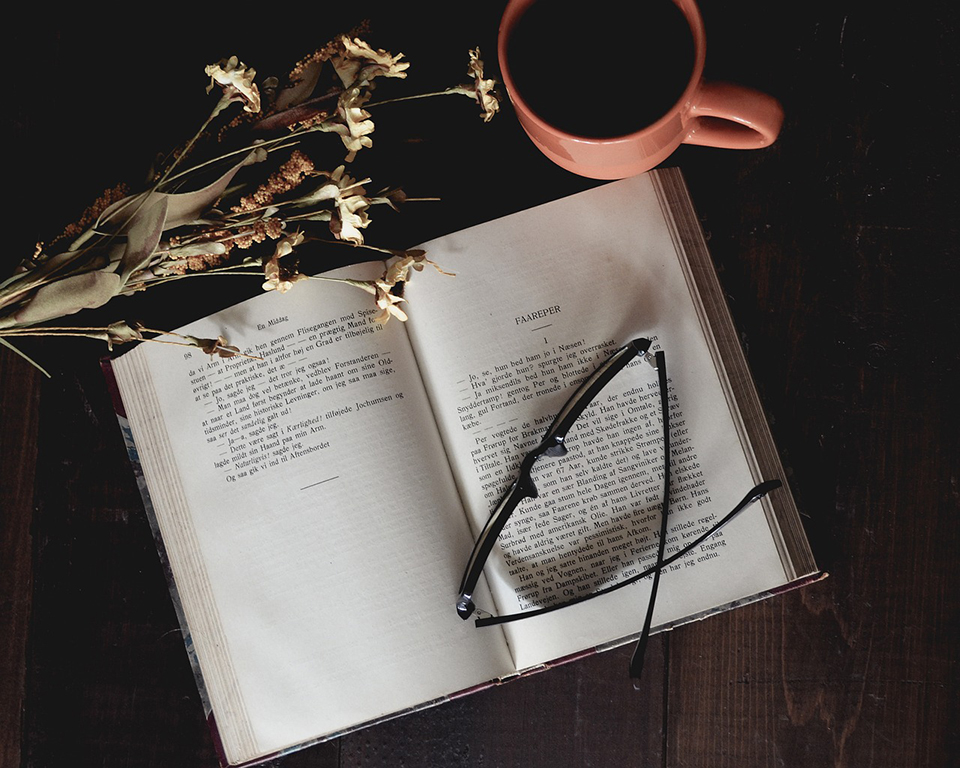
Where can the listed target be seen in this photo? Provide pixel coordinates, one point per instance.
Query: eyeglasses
(554, 445)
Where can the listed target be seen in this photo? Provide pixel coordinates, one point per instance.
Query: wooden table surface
(836, 247)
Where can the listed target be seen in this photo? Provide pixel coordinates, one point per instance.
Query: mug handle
(733, 116)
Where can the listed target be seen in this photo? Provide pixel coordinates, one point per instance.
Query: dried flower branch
(210, 211)
(480, 90)
(122, 333)
(388, 289)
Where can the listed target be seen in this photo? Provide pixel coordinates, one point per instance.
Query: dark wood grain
(18, 449)
(601, 713)
(837, 248)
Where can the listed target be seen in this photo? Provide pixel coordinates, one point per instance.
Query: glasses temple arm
(521, 489)
(592, 386)
(755, 494)
(636, 662)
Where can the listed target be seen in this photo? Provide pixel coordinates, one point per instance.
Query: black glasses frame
(553, 444)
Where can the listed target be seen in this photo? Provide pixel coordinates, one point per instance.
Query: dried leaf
(195, 249)
(217, 346)
(121, 333)
(25, 356)
(64, 297)
(62, 265)
(142, 238)
(182, 208)
(309, 76)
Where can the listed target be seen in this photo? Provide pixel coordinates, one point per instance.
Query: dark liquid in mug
(602, 68)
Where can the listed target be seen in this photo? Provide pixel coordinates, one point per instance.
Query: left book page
(308, 513)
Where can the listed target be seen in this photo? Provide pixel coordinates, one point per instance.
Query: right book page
(540, 298)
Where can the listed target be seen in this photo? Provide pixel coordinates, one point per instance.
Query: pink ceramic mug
(708, 113)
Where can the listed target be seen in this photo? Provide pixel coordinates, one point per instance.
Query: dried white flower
(399, 270)
(387, 302)
(359, 64)
(354, 126)
(484, 93)
(349, 218)
(236, 78)
(277, 278)
(349, 215)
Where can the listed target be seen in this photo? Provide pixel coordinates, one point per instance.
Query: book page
(309, 515)
(540, 298)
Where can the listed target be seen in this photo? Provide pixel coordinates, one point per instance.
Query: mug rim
(516, 8)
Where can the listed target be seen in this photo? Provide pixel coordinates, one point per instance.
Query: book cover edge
(119, 408)
(106, 366)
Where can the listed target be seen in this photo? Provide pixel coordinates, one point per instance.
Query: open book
(316, 507)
